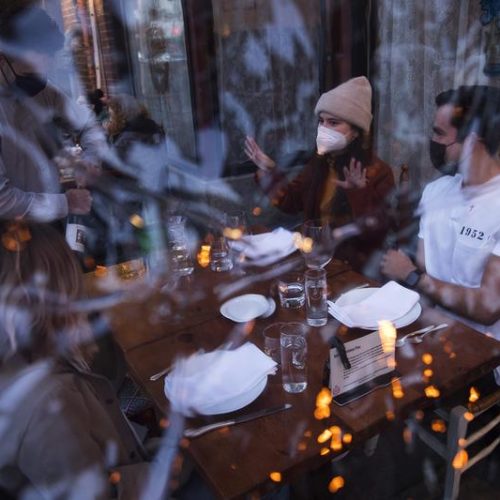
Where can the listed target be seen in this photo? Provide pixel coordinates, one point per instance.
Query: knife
(198, 431)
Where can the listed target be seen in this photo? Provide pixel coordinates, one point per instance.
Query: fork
(420, 338)
(423, 331)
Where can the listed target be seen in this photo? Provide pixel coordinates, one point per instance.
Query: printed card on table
(372, 366)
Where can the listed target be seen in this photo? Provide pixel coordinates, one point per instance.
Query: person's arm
(481, 304)
(18, 204)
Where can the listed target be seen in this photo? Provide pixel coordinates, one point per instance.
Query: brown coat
(294, 197)
(305, 192)
(63, 433)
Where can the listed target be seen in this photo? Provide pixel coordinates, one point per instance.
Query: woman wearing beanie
(343, 181)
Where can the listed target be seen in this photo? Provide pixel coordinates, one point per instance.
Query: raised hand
(254, 153)
(355, 176)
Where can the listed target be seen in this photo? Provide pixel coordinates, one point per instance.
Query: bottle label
(75, 236)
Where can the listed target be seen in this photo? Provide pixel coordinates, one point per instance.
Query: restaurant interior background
(211, 72)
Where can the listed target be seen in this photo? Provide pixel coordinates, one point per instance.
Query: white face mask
(329, 140)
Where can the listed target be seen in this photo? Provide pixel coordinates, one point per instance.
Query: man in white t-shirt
(458, 256)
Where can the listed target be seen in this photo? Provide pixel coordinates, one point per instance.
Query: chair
(466, 426)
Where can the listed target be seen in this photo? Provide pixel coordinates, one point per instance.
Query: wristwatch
(413, 278)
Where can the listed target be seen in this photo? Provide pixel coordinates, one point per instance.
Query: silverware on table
(422, 331)
(198, 431)
(160, 374)
(420, 338)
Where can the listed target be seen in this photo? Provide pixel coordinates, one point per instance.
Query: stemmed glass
(317, 243)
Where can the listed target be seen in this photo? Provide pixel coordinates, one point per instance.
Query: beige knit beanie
(350, 101)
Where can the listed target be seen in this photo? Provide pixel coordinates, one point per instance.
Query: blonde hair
(123, 108)
(40, 285)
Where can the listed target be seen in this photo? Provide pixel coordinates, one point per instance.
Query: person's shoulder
(443, 184)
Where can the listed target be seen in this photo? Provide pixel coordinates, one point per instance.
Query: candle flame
(473, 395)
(387, 334)
(336, 484)
(460, 460)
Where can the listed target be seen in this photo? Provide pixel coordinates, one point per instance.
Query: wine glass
(317, 243)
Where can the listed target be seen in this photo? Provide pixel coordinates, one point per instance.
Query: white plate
(236, 402)
(357, 295)
(245, 307)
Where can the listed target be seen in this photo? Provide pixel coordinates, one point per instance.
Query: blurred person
(343, 181)
(98, 103)
(62, 429)
(137, 139)
(36, 121)
(458, 257)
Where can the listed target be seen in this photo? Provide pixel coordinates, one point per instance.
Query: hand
(256, 154)
(86, 173)
(79, 201)
(396, 265)
(355, 176)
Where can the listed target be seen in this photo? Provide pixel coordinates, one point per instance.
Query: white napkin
(390, 302)
(202, 381)
(267, 248)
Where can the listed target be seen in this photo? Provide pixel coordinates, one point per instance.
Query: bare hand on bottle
(79, 201)
(355, 176)
(86, 173)
(254, 153)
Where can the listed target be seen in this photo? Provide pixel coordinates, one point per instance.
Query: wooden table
(239, 459)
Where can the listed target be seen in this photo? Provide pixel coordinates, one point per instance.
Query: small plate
(245, 307)
(359, 294)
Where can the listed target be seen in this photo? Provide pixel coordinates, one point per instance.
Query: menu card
(372, 365)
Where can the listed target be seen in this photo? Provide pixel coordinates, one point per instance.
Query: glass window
(159, 66)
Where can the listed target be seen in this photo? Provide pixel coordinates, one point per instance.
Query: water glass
(317, 243)
(220, 259)
(291, 290)
(316, 297)
(271, 336)
(180, 258)
(293, 343)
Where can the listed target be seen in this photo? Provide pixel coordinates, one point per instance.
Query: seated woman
(344, 181)
(61, 429)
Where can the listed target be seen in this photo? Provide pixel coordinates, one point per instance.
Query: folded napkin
(202, 381)
(267, 248)
(390, 302)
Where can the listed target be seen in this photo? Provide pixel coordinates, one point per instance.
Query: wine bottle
(77, 236)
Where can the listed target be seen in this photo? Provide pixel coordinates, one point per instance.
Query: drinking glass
(236, 226)
(220, 260)
(316, 294)
(291, 290)
(293, 344)
(317, 243)
(180, 259)
(271, 336)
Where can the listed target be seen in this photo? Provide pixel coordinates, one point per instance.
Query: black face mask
(30, 84)
(437, 153)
